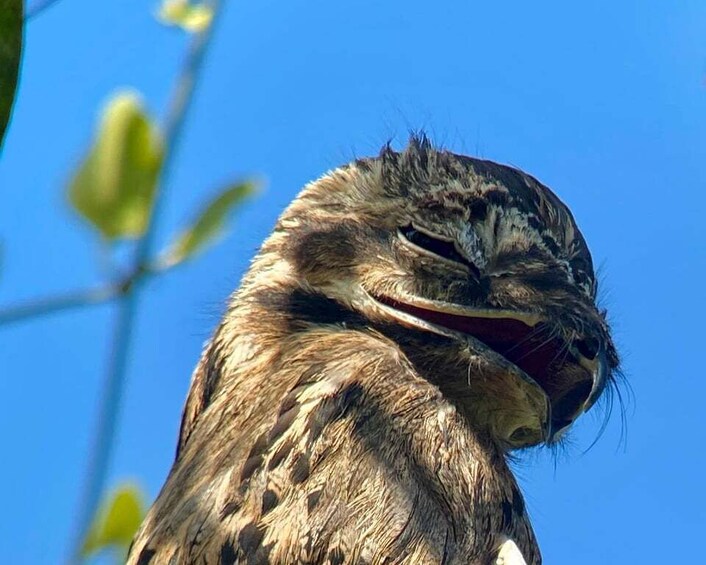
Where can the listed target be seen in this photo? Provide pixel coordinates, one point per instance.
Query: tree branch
(109, 409)
(52, 304)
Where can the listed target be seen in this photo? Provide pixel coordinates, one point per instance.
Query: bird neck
(394, 415)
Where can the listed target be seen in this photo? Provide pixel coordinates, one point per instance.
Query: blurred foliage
(116, 522)
(209, 225)
(11, 28)
(193, 17)
(115, 184)
(117, 189)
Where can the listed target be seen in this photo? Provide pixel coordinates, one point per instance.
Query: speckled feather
(317, 430)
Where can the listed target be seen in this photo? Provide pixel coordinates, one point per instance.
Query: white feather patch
(509, 554)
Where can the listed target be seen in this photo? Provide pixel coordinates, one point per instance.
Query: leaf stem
(50, 305)
(111, 400)
(109, 407)
(181, 100)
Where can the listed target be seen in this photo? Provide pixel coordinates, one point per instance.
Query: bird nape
(411, 319)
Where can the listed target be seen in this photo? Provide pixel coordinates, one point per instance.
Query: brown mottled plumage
(411, 319)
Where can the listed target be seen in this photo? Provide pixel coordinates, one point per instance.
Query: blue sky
(603, 101)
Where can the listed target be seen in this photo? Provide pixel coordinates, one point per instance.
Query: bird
(413, 320)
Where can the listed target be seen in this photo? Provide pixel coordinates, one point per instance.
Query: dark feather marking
(350, 397)
(496, 197)
(259, 447)
(445, 554)
(283, 422)
(301, 309)
(249, 467)
(291, 400)
(300, 469)
(228, 554)
(212, 374)
(269, 500)
(534, 222)
(318, 419)
(336, 556)
(309, 375)
(508, 515)
(518, 502)
(318, 309)
(196, 530)
(229, 508)
(551, 243)
(146, 556)
(364, 164)
(209, 376)
(250, 538)
(331, 409)
(478, 209)
(306, 546)
(254, 458)
(334, 246)
(548, 281)
(312, 500)
(280, 454)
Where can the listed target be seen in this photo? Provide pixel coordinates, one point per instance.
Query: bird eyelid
(435, 245)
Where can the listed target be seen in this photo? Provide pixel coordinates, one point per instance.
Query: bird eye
(445, 249)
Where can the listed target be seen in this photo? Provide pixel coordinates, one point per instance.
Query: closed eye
(439, 247)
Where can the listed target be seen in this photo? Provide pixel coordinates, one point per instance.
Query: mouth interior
(533, 349)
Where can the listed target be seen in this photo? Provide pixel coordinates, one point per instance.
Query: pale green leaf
(11, 15)
(116, 521)
(114, 186)
(187, 15)
(209, 224)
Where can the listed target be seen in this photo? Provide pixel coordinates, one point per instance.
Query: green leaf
(114, 186)
(11, 15)
(116, 521)
(209, 224)
(188, 16)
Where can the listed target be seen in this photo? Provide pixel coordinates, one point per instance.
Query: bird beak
(599, 369)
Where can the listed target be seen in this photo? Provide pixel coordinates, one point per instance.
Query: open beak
(520, 342)
(598, 369)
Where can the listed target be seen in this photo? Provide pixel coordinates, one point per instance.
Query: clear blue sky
(603, 101)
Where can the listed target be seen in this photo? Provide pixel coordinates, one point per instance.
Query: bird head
(475, 270)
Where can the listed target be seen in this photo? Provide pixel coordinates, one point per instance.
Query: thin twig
(109, 409)
(110, 402)
(37, 8)
(52, 304)
(181, 99)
